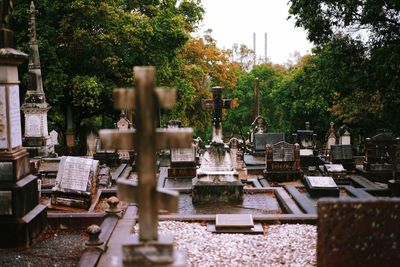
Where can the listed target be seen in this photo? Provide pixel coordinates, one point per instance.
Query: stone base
(152, 253)
(204, 192)
(394, 187)
(41, 151)
(75, 200)
(23, 197)
(15, 165)
(182, 172)
(21, 232)
(375, 176)
(282, 176)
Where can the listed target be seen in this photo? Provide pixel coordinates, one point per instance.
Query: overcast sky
(234, 21)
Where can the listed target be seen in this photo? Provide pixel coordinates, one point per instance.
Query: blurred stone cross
(146, 139)
(217, 103)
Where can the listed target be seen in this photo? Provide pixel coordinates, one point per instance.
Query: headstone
(308, 153)
(282, 162)
(76, 182)
(379, 152)
(22, 217)
(91, 140)
(321, 186)
(54, 137)
(183, 160)
(358, 232)
(236, 150)
(216, 180)
(146, 140)
(36, 137)
(344, 135)
(331, 138)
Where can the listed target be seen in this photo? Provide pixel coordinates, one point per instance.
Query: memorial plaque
(32, 125)
(334, 168)
(6, 171)
(233, 221)
(74, 173)
(321, 186)
(358, 232)
(54, 137)
(5, 203)
(321, 181)
(283, 152)
(306, 152)
(183, 155)
(262, 139)
(13, 111)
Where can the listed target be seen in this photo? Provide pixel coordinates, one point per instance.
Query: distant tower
(265, 47)
(254, 49)
(36, 137)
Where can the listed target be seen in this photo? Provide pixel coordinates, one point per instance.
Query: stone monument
(125, 156)
(76, 182)
(22, 218)
(148, 248)
(331, 138)
(282, 162)
(216, 180)
(308, 154)
(36, 137)
(183, 160)
(236, 150)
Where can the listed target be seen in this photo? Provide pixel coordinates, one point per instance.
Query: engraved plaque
(183, 154)
(15, 117)
(283, 152)
(74, 173)
(234, 221)
(334, 168)
(3, 125)
(32, 127)
(5, 203)
(321, 181)
(210, 162)
(341, 152)
(6, 171)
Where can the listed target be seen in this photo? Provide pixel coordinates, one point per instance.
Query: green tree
(89, 47)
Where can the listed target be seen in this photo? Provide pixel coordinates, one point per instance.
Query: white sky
(234, 21)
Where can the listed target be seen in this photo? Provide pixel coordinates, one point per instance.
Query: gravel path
(281, 245)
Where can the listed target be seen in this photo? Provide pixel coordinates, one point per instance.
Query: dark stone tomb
(308, 154)
(282, 162)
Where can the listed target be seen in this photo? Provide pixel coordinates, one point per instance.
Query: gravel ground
(56, 248)
(281, 245)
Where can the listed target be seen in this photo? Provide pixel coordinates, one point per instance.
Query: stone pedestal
(22, 218)
(217, 192)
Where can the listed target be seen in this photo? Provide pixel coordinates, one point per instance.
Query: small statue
(259, 125)
(6, 9)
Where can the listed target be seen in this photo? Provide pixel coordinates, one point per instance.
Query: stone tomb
(379, 154)
(306, 139)
(235, 223)
(321, 186)
(282, 162)
(356, 232)
(76, 182)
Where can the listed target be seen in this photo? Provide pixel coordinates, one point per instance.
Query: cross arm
(125, 98)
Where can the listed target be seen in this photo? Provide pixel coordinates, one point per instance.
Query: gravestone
(123, 124)
(282, 162)
(344, 135)
(342, 154)
(76, 182)
(22, 218)
(91, 140)
(308, 153)
(146, 140)
(36, 137)
(321, 186)
(216, 180)
(236, 150)
(183, 160)
(54, 137)
(235, 223)
(358, 232)
(331, 138)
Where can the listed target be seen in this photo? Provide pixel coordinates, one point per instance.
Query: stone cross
(146, 139)
(217, 103)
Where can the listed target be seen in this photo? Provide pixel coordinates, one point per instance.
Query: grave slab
(321, 186)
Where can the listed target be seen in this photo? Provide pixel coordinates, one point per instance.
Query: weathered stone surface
(321, 186)
(358, 232)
